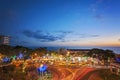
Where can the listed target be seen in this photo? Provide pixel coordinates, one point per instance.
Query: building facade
(4, 40)
(115, 68)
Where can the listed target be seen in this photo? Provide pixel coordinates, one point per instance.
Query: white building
(4, 40)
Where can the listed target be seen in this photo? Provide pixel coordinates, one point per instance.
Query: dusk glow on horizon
(61, 22)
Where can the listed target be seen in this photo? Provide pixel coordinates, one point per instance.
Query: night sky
(61, 22)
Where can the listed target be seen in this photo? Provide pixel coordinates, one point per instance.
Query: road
(69, 73)
(64, 72)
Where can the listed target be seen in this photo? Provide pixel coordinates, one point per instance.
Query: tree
(95, 51)
(31, 73)
(6, 50)
(109, 53)
(40, 51)
(62, 51)
(101, 53)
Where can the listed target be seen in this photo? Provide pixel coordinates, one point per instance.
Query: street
(69, 73)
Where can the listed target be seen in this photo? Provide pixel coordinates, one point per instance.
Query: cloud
(119, 40)
(28, 33)
(95, 9)
(99, 1)
(94, 35)
(24, 42)
(16, 40)
(94, 6)
(99, 17)
(65, 32)
(87, 35)
(45, 36)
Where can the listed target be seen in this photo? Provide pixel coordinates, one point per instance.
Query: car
(62, 63)
(72, 63)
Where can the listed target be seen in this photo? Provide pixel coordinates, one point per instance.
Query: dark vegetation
(101, 54)
(11, 73)
(14, 50)
(107, 75)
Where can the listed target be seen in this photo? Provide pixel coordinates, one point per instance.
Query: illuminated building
(78, 50)
(115, 68)
(4, 40)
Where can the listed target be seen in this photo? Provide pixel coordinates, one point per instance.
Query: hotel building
(4, 40)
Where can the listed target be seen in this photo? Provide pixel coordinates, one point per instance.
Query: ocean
(114, 49)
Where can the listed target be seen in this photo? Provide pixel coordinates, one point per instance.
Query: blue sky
(61, 22)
